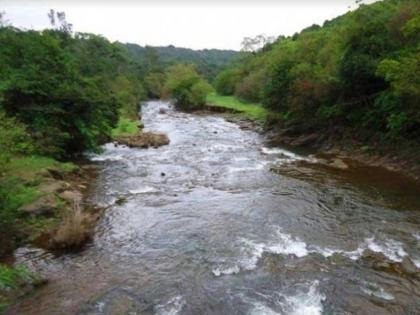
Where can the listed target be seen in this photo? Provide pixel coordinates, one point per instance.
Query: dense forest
(357, 71)
(209, 62)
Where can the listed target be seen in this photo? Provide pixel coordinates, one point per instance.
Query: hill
(208, 61)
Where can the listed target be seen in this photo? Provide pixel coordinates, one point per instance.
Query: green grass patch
(125, 127)
(253, 111)
(22, 195)
(12, 280)
(27, 167)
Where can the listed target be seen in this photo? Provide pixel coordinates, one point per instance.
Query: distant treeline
(209, 62)
(360, 70)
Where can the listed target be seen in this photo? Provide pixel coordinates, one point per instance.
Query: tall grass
(74, 231)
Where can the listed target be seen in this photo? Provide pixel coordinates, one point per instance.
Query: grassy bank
(14, 282)
(252, 111)
(24, 182)
(125, 127)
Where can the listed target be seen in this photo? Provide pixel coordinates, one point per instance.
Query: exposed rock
(408, 266)
(71, 196)
(338, 163)
(45, 205)
(89, 167)
(162, 111)
(305, 140)
(120, 201)
(52, 187)
(56, 173)
(144, 140)
(162, 174)
(376, 260)
(82, 187)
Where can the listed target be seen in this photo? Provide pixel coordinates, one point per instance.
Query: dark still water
(208, 228)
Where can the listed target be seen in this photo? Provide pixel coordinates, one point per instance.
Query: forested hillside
(358, 71)
(208, 61)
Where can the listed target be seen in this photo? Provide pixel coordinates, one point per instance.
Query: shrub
(186, 87)
(226, 81)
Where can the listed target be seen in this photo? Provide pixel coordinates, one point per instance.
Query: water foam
(101, 158)
(301, 303)
(171, 307)
(309, 303)
(142, 190)
(376, 290)
(286, 244)
(251, 252)
(279, 151)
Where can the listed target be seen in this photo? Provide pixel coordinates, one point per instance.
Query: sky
(193, 24)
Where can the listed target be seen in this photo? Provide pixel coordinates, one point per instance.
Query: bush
(186, 87)
(226, 81)
(250, 88)
(154, 84)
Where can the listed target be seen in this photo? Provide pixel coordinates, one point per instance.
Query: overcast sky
(195, 24)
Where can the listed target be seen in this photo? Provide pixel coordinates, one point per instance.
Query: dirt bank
(398, 157)
(333, 146)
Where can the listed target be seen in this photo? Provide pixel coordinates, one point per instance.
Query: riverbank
(393, 156)
(46, 206)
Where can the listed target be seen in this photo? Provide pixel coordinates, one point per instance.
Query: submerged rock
(144, 140)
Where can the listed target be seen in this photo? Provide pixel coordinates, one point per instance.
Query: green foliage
(12, 279)
(359, 70)
(14, 140)
(226, 81)
(250, 88)
(186, 86)
(209, 62)
(125, 127)
(154, 84)
(68, 90)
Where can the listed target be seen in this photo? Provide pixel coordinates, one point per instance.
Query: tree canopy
(358, 70)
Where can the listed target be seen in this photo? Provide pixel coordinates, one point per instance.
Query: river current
(219, 222)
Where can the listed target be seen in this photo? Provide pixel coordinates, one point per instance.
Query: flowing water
(208, 228)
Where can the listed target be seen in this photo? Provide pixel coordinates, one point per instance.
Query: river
(207, 227)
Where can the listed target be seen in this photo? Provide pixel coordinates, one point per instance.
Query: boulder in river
(144, 140)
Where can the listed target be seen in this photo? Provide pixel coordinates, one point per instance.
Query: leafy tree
(63, 87)
(359, 71)
(186, 86)
(226, 81)
(154, 84)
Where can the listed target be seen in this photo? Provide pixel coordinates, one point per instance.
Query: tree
(252, 44)
(186, 86)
